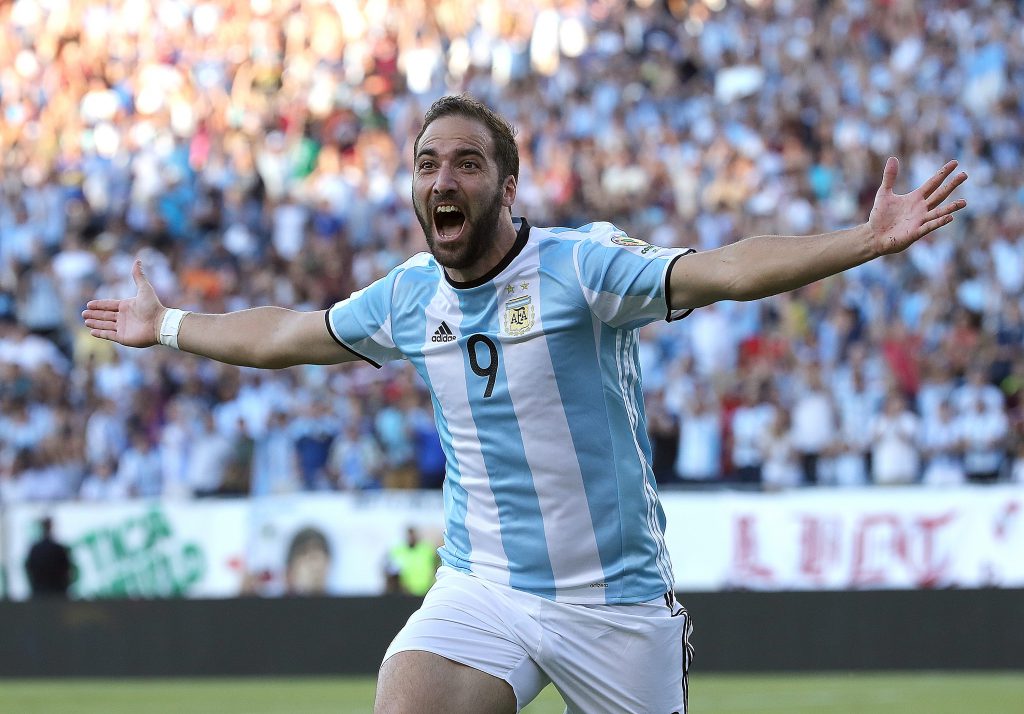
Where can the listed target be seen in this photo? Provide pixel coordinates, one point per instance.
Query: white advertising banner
(848, 539)
(334, 544)
(338, 544)
(137, 548)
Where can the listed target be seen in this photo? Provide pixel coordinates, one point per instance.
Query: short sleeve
(361, 323)
(624, 279)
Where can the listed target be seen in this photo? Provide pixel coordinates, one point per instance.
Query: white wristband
(170, 325)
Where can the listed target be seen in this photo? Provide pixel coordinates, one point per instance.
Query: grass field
(936, 693)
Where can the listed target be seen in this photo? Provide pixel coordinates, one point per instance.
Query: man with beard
(554, 565)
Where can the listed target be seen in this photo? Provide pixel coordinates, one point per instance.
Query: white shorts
(601, 658)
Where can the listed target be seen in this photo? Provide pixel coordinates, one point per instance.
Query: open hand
(898, 221)
(134, 322)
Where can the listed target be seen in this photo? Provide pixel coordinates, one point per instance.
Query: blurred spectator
(49, 566)
(894, 435)
(392, 429)
(430, 458)
(275, 465)
(105, 433)
(25, 424)
(781, 467)
(176, 444)
(411, 565)
(941, 448)
(102, 484)
(238, 476)
(354, 462)
(37, 475)
(210, 454)
(937, 385)
(12, 463)
(977, 389)
(312, 433)
(140, 467)
(700, 437)
(663, 432)
(813, 423)
(751, 422)
(308, 563)
(983, 430)
(857, 404)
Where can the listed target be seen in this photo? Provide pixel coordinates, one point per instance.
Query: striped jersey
(533, 372)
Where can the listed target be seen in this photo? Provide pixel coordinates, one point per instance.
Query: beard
(475, 241)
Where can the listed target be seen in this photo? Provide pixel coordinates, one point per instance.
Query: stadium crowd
(259, 152)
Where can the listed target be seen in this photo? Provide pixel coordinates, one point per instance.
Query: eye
(425, 165)
(470, 164)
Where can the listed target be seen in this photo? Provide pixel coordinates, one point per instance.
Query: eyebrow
(459, 153)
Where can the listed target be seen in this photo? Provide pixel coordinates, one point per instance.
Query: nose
(444, 179)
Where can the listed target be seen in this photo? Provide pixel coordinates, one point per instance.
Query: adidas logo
(443, 334)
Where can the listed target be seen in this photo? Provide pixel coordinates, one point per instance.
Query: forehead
(454, 133)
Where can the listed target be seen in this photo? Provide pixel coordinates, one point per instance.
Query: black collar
(521, 237)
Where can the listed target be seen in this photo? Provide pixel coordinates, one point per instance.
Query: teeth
(447, 209)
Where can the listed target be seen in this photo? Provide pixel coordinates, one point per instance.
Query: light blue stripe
(501, 443)
(457, 549)
(640, 547)
(410, 331)
(657, 529)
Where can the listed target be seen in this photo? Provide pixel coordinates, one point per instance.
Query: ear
(508, 194)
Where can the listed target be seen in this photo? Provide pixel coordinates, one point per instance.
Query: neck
(505, 239)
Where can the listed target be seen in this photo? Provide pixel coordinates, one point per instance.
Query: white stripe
(383, 336)
(547, 442)
(665, 562)
(447, 372)
(649, 491)
(610, 306)
(652, 524)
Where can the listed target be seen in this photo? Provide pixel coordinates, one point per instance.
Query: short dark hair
(307, 538)
(503, 134)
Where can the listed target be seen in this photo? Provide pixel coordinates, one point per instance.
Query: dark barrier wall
(978, 629)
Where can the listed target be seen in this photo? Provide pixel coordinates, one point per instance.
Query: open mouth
(449, 221)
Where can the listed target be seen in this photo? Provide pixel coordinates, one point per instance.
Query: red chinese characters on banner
(749, 571)
(884, 542)
(868, 550)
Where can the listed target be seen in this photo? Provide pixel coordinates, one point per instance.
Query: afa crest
(628, 242)
(518, 316)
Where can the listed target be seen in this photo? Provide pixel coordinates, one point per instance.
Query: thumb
(892, 168)
(139, 275)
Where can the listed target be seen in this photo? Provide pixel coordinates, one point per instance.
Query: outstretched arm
(767, 265)
(269, 337)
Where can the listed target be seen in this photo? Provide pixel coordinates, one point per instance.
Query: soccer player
(554, 565)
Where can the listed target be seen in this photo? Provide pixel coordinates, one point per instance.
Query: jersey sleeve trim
(330, 331)
(671, 315)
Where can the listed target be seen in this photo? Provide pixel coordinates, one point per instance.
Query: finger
(931, 225)
(945, 210)
(108, 304)
(889, 173)
(943, 193)
(101, 325)
(935, 181)
(110, 315)
(104, 334)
